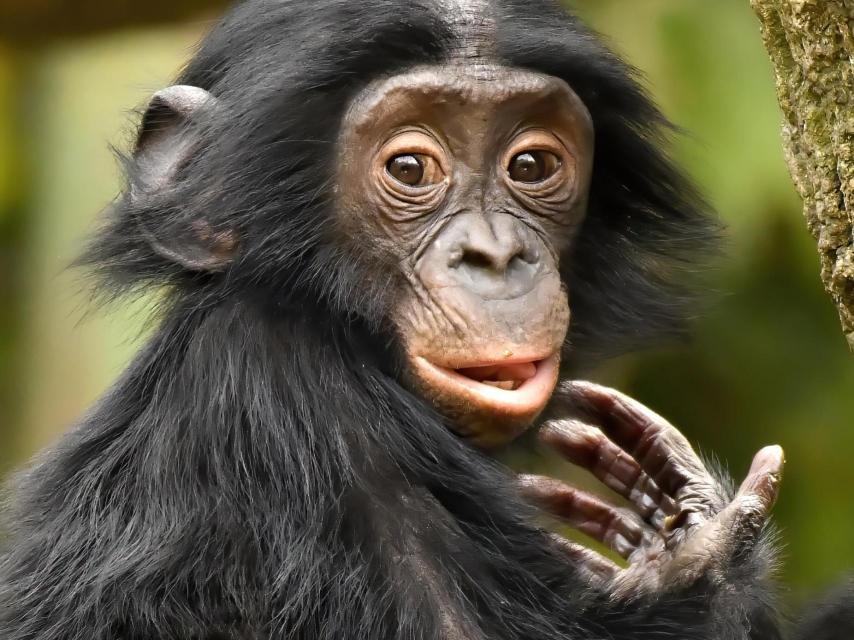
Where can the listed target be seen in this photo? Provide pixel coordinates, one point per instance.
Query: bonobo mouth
(509, 377)
(516, 388)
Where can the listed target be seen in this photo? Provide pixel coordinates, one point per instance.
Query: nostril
(518, 262)
(477, 259)
(494, 275)
(529, 256)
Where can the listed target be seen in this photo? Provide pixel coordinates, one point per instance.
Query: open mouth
(514, 388)
(509, 377)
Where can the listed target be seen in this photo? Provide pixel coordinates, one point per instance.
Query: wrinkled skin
(477, 247)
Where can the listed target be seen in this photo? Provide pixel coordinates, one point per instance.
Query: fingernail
(776, 451)
(622, 544)
(769, 459)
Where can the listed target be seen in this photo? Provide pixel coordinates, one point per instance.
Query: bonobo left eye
(533, 166)
(414, 169)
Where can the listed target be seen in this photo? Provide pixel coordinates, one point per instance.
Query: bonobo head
(473, 180)
(451, 177)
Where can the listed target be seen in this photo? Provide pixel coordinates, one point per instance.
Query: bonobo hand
(684, 523)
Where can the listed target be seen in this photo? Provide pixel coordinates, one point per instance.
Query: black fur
(259, 472)
(833, 619)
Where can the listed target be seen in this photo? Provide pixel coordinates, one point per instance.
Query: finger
(658, 447)
(587, 447)
(595, 567)
(764, 478)
(619, 529)
(744, 519)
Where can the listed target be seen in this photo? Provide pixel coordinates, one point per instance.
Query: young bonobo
(381, 230)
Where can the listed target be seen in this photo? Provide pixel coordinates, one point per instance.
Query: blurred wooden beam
(25, 22)
(811, 44)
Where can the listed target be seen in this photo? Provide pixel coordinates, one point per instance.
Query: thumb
(748, 513)
(763, 480)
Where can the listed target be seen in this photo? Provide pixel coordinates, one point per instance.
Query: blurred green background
(767, 364)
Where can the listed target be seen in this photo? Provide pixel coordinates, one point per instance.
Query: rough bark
(811, 43)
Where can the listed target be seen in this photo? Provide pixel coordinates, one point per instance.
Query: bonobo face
(471, 181)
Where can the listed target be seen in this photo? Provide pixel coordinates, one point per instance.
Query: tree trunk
(811, 43)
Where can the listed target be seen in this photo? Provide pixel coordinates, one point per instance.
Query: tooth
(520, 371)
(506, 385)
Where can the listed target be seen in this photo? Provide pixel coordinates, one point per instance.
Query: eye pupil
(533, 166)
(407, 169)
(526, 168)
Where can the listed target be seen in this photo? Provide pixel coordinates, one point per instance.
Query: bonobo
(383, 234)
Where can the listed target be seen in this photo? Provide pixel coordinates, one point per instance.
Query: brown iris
(415, 169)
(408, 169)
(533, 166)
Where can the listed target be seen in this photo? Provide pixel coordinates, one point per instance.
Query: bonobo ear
(167, 140)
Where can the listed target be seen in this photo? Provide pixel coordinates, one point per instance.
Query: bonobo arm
(698, 552)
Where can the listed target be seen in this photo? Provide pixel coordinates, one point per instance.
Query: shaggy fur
(259, 472)
(833, 619)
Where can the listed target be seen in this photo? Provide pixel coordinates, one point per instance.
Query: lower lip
(525, 402)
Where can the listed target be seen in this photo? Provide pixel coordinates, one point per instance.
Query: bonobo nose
(494, 258)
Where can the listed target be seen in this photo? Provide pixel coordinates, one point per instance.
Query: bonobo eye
(414, 169)
(533, 166)
(406, 169)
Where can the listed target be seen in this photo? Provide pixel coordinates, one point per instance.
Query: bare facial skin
(472, 183)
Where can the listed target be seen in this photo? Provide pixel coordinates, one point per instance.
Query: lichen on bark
(811, 44)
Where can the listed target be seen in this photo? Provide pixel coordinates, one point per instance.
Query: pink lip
(526, 401)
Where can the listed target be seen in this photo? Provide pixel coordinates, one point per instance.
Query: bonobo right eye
(413, 159)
